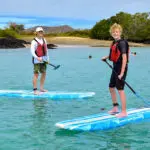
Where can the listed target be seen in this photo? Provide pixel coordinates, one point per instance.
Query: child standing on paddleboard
(119, 55)
(39, 53)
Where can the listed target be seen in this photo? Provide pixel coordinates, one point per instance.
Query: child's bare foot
(43, 90)
(36, 92)
(121, 115)
(113, 111)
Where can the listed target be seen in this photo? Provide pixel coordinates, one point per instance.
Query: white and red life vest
(41, 49)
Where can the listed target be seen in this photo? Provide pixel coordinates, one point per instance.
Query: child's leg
(114, 101)
(35, 77)
(123, 102)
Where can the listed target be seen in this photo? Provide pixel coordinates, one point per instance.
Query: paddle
(55, 67)
(147, 103)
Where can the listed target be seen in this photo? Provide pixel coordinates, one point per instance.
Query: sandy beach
(74, 41)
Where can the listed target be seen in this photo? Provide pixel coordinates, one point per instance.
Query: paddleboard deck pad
(104, 121)
(50, 95)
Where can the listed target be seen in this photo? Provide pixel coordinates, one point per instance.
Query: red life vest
(41, 49)
(115, 53)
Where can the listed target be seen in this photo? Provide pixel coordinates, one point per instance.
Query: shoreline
(78, 41)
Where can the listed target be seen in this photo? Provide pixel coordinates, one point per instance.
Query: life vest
(41, 49)
(115, 53)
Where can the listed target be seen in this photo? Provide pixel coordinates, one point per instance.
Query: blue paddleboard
(104, 121)
(50, 95)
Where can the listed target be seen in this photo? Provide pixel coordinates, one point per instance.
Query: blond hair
(115, 26)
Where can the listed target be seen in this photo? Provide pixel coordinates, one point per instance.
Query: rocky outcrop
(11, 42)
(51, 46)
(147, 42)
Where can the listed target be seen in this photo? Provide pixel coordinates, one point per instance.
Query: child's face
(116, 34)
(40, 34)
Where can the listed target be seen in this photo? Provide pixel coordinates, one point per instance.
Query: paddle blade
(55, 68)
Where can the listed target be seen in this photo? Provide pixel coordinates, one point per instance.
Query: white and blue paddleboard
(104, 121)
(50, 95)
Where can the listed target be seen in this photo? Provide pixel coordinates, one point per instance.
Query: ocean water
(29, 124)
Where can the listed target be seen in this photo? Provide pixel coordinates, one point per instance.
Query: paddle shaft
(55, 67)
(52, 65)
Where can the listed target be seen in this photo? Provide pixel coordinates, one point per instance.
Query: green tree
(8, 33)
(135, 27)
(16, 27)
(101, 30)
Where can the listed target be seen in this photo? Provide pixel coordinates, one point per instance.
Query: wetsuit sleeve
(123, 47)
(33, 48)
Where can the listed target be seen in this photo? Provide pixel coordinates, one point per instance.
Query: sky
(76, 13)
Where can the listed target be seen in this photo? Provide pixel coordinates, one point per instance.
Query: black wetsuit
(114, 81)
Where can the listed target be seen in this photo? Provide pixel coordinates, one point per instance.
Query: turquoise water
(27, 124)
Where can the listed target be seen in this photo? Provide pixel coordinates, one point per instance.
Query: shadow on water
(63, 132)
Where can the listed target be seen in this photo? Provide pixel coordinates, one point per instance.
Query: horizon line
(30, 21)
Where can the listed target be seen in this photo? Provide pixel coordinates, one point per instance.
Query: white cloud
(85, 9)
(15, 19)
(45, 21)
(77, 13)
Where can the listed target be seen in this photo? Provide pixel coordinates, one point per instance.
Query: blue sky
(76, 13)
